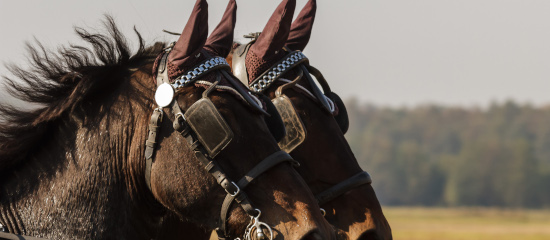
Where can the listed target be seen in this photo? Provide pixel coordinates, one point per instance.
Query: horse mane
(59, 84)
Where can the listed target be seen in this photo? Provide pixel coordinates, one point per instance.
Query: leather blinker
(295, 131)
(209, 126)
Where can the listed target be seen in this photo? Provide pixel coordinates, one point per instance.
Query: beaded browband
(194, 74)
(268, 77)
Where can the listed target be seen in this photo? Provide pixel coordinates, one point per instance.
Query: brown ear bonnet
(221, 39)
(267, 49)
(275, 44)
(300, 31)
(188, 50)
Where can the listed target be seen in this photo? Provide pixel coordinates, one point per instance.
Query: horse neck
(85, 178)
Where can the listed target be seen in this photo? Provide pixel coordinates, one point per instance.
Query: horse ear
(300, 32)
(275, 33)
(193, 37)
(221, 39)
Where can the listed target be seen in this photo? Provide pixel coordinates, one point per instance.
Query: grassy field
(468, 223)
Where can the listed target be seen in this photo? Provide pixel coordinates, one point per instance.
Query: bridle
(208, 134)
(296, 133)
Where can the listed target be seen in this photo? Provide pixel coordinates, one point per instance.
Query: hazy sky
(401, 52)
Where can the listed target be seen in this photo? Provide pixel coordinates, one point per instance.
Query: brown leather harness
(207, 134)
(296, 133)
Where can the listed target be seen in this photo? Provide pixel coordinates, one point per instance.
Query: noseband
(208, 134)
(295, 130)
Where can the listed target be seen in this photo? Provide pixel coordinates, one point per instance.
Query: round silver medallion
(164, 95)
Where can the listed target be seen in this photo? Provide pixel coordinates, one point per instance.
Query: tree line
(451, 156)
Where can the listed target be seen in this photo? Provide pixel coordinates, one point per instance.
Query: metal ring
(259, 213)
(268, 228)
(323, 212)
(179, 115)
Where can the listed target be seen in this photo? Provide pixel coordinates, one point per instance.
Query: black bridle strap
(320, 78)
(335, 191)
(266, 164)
(316, 91)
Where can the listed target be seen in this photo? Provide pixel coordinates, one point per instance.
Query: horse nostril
(314, 235)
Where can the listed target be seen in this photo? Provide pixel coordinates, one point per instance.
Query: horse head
(316, 121)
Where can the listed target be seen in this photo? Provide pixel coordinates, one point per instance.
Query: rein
(201, 126)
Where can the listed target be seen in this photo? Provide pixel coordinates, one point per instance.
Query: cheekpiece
(267, 78)
(194, 74)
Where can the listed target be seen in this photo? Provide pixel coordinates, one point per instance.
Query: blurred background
(449, 100)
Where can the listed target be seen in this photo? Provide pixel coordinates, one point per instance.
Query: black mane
(62, 82)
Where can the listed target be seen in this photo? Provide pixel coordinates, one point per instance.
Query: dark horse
(74, 167)
(316, 122)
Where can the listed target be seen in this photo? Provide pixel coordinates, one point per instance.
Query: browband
(290, 61)
(200, 70)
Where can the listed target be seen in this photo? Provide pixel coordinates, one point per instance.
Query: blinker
(164, 95)
(208, 124)
(295, 130)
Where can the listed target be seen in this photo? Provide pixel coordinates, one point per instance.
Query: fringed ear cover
(186, 51)
(268, 47)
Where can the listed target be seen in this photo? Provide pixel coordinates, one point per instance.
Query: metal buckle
(160, 112)
(235, 193)
(179, 115)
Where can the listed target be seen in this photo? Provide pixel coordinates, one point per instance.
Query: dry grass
(466, 223)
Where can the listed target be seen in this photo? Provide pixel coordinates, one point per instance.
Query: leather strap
(10, 236)
(356, 180)
(320, 78)
(154, 123)
(162, 75)
(266, 164)
(316, 91)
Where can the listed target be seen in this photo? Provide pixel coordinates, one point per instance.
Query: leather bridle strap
(335, 191)
(266, 164)
(10, 236)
